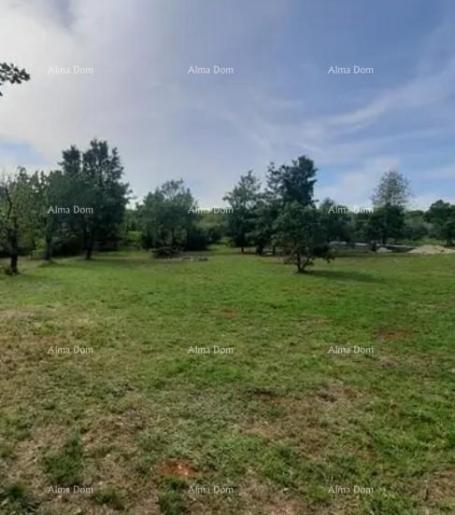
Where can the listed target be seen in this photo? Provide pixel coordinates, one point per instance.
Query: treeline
(276, 215)
(82, 207)
(66, 211)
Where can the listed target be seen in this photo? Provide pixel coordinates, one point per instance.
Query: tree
(415, 225)
(96, 198)
(301, 234)
(299, 225)
(167, 216)
(53, 189)
(267, 210)
(336, 221)
(389, 199)
(393, 190)
(442, 215)
(293, 182)
(361, 222)
(12, 74)
(386, 222)
(18, 215)
(264, 217)
(243, 200)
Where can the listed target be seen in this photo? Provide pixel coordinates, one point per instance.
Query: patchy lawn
(232, 385)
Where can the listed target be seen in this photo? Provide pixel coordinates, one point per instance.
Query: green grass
(275, 424)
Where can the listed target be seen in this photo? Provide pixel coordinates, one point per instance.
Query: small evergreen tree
(299, 226)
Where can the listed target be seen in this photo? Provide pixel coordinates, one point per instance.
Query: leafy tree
(18, 215)
(336, 221)
(301, 234)
(167, 216)
(361, 222)
(95, 192)
(214, 225)
(293, 182)
(270, 204)
(12, 74)
(300, 230)
(386, 222)
(243, 200)
(416, 226)
(265, 215)
(442, 215)
(393, 190)
(389, 199)
(53, 189)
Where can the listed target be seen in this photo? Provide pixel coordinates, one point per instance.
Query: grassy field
(228, 386)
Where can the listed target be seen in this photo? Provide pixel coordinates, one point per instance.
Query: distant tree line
(82, 207)
(284, 215)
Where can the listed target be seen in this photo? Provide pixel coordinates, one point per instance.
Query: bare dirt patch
(228, 313)
(178, 468)
(386, 334)
(439, 489)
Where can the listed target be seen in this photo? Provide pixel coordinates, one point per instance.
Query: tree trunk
(13, 263)
(88, 251)
(242, 249)
(48, 253)
(299, 262)
(273, 250)
(302, 263)
(14, 253)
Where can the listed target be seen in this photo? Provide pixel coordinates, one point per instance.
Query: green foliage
(299, 225)
(386, 222)
(336, 222)
(265, 215)
(416, 227)
(393, 190)
(94, 180)
(197, 238)
(301, 234)
(19, 207)
(243, 200)
(215, 226)
(293, 183)
(442, 215)
(166, 252)
(167, 215)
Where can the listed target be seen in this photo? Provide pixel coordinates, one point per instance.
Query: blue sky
(279, 102)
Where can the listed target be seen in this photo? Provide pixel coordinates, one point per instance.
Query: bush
(166, 252)
(197, 239)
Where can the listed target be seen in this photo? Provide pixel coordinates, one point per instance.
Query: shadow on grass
(343, 275)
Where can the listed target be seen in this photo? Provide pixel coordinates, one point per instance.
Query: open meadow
(228, 385)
